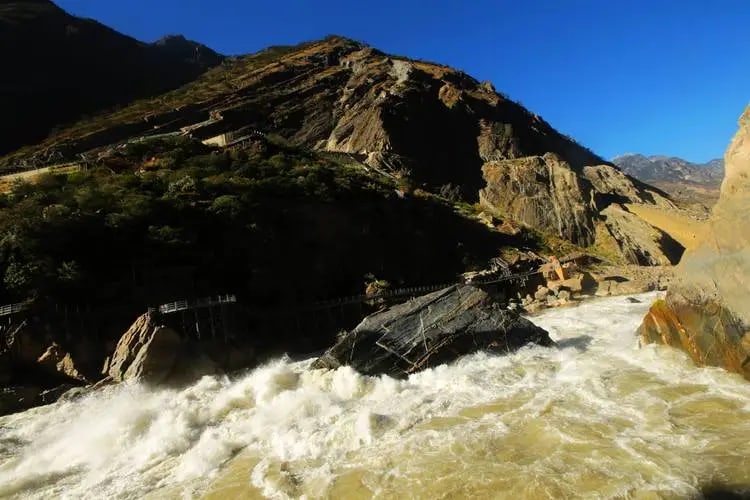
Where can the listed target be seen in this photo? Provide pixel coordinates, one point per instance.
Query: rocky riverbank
(155, 350)
(596, 281)
(706, 312)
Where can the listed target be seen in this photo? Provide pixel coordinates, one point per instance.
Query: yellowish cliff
(707, 309)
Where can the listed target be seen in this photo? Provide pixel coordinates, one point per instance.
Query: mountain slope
(423, 124)
(339, 95)
(57, 68)
(670, 169)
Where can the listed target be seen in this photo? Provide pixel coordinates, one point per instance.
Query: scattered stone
(541, 293)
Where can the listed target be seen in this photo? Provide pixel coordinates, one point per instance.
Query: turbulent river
(596, 416)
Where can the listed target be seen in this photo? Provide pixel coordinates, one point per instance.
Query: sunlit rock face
(707, 308)
(543, 192)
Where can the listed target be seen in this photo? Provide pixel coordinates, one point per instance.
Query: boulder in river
(430, 330)
(707, 308)
(147, 351)
(152, 352)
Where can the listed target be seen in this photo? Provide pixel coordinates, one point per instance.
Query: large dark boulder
(431, 330)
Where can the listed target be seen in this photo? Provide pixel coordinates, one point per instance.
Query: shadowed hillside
(58, 68)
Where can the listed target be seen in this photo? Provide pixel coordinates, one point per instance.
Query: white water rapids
(596, 416)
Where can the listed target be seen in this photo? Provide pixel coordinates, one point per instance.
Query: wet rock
(574, 284)
(431, 330)
(15, 399)
(707, 308)
(49, 396)
(75, 393)
(147, 351)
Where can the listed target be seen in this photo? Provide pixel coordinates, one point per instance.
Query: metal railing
(183, 305)
(9, 309)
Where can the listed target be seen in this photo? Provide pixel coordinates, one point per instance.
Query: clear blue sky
(650, 76)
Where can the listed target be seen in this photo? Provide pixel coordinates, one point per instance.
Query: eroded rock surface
(543, 192)
(431, 330)
(707, 309)
(548, 194)
(638, 241)
(147, 351)
(613, 186)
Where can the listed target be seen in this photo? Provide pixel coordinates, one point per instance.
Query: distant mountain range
(670, 169)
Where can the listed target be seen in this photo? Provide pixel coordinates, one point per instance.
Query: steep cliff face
(543, 192)
(639, 242)
(546, 193)
(707, 309)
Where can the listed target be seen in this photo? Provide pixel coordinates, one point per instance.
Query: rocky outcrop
(56, 361)
(638, 241)
(707, 310)
(153, 352)
(431, 330)
(613, 186)
(148, 351)
(543, 192)
(547, 194)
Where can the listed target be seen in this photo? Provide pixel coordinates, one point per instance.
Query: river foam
(595, 416)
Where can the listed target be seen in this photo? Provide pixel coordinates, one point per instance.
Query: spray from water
(594, 416)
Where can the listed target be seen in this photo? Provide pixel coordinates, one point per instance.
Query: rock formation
(542, 192)
(613, 186)
(56, 361)
(546, 193)
(430, 330)
(639, 242)
(147, 351)
(707, 309)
